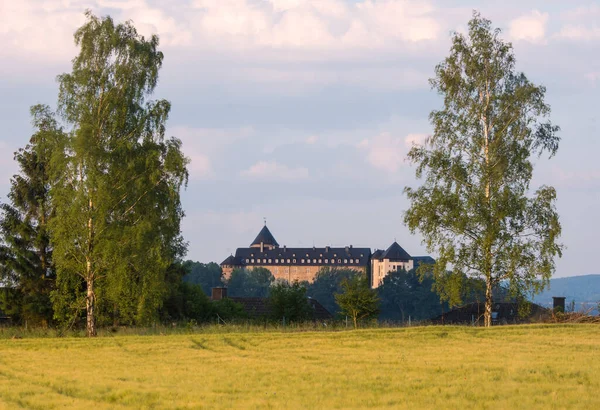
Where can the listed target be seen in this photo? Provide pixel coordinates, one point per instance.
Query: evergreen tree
(25, 253)
(118, 210)
(474, 209)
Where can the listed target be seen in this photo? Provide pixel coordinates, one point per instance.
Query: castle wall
(293, 273)
(380, 269)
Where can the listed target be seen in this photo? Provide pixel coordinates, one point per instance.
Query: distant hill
(584, 290)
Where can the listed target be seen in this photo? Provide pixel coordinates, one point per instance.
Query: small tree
(289, 301)
(357, 299)
(474, 208)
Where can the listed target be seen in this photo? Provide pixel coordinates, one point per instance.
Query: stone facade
(380, 269)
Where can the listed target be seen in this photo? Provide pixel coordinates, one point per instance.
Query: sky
(302, 111)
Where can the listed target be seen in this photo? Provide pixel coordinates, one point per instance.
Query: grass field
(552, 366)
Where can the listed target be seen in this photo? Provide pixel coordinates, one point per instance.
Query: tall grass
(531, 366)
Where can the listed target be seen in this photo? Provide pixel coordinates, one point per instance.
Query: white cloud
(272, 171)
(593, 77)
(202, 144)
(387, 152)
(529, 27)
(581, 24)
(312, 139)
(579, 32)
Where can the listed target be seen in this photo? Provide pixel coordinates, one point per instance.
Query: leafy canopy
(474, 208)
(118, 210)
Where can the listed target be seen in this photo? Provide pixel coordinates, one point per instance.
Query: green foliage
(474, 208)
(250, 282)
(289, 301)
(118, 210)
(328, 282)
(184, 301)
(25, 253)
(405, 294)
(207, 275)
(357, 299)
(227, 309)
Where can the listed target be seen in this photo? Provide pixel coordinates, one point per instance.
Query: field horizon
(520, 366)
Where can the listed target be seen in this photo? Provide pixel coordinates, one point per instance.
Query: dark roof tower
(230, 261)
(265, 238)
(395, 253)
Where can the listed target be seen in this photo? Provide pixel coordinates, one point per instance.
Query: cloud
(203, 145)
(581, 24)
(530, 27)
(593, 77)
(579, 32)
(312, 139)
(387, 152)
(315, 24)
(272, 171)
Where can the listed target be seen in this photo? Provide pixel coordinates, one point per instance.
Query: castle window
(288, 261)
(247, 260)
(264, 261)
(252, 260)
(345, 260)
(276, 260)
(320, 261)
(326, 260)
(321, 255)
(351, 260)
(339, 261)
(301, 260)
(294, 261)
(269, 260)
(294, 255)
(314, 261)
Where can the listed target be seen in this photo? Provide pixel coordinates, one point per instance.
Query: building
(293, 264)
(392, 259)
(302, 264)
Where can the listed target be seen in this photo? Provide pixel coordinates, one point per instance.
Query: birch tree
(475, 209)
(118, 210)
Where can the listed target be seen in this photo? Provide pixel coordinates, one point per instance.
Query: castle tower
(265, 240)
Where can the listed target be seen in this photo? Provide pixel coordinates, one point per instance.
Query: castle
(302, 264)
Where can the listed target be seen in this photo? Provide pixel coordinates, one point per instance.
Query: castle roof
(395, 253)
(266, 237)
(303, 256)
(231, 260)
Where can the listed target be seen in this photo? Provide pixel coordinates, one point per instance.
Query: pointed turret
(264, 239)
(395, 253)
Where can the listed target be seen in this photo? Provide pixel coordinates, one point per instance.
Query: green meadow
(537, 366)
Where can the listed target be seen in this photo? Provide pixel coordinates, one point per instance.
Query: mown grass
(537, 366)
